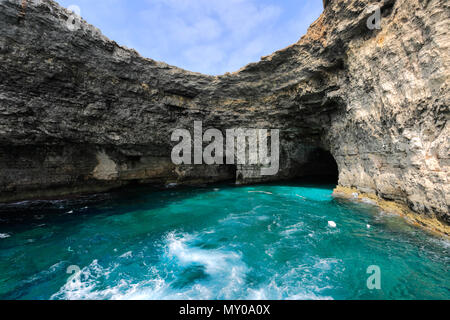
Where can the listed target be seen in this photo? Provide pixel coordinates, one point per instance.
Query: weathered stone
(79, 113)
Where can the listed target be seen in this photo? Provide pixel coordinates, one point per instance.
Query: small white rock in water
(4, 235)
(70, 212)
(369, 226)
(332, 224)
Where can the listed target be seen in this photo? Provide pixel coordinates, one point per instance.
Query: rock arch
(376, 99)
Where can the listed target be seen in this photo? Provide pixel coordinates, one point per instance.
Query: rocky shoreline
(430, 224)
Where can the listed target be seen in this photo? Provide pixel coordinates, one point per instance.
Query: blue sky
(208, 36)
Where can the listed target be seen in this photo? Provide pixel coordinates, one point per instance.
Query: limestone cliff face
(79, 113)
(392, 137)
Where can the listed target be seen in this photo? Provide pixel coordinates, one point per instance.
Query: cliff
(79, 113)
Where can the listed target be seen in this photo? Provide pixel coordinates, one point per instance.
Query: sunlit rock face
(392, 137)
(80, 113)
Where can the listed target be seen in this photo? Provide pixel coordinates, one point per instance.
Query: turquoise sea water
(223, 242)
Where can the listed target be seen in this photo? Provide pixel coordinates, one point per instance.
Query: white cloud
(212, 34)
(209, 36)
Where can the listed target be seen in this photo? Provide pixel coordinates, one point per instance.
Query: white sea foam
(308, 296)
(214, 261)
(225, 269)
(441, 242)
(283, 291)
(87, 285)
(4, 235)
(293, 229)
(82, 285)
(263, 192)
(326, 264)
(226, 274)
(227, 284)
(128, 254)
(245, 218)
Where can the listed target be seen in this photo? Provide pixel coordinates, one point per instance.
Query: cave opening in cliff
(320, 167)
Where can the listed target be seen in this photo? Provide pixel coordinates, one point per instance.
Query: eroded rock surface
(79, 113)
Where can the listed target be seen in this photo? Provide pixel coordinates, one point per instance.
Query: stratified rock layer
(79, 113)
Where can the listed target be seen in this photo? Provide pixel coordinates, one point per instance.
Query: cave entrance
(320, 167)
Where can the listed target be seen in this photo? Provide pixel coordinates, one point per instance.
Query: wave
(220, 274)
(224, 269)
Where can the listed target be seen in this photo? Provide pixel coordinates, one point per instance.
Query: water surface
(223, 242)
